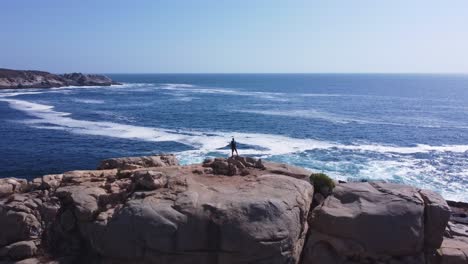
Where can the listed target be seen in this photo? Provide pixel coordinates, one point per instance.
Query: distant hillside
(17, 79)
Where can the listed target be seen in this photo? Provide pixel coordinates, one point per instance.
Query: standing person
(234, 147)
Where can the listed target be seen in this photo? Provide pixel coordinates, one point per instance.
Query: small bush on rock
(322, 183)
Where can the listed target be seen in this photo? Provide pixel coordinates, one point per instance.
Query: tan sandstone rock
(139, 162)
(236, 210)
(9, 186)
(232, 219)
(453, 251)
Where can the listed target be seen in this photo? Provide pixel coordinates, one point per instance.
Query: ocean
(410, 129)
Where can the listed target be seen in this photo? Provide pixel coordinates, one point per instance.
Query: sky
(238, 36)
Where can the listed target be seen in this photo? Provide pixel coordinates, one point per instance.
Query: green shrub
(320, 180)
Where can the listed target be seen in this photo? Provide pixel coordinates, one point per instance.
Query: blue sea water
(410, 129)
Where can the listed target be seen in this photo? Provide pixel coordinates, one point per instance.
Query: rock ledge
(236, 210)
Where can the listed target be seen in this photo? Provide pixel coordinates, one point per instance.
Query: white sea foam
(310, 114)
(88, 101)
(185, 99)
(123, 85)
(179, 85)
(267, 144)
(399, 166)
(327, 95)
(438, 174)
(4, 94)
(212, 90)
(15, 92)
(420, 173)
(346, 119)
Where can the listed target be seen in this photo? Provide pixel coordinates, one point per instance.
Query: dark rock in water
(17, 79)
(81, 79)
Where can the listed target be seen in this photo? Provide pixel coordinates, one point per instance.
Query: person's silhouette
(233, 147)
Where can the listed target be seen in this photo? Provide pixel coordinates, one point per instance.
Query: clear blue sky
(235, 36)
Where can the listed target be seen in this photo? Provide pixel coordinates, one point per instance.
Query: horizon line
(252, 73)
(292, 73)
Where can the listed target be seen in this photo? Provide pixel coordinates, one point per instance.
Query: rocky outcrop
(138, 162)
(376, 223)
(150, 210)
(236, 210)
(15, 79)
(80, 79)
(9, 186)
(237, 165)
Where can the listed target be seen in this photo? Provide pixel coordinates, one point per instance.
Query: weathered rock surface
(453, 251)
(81, 79)
(9, 186)
(149, 210)
(19, 250)
(15, 79)
(132, 163)
(437, 214)
(235, 210)
(376, 223)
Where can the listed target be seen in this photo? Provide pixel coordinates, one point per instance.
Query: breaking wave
(268, 144)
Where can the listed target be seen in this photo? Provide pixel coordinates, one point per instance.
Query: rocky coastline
(18, 79)
(237, 210)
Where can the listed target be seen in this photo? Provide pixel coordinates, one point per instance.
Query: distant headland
(18, 79)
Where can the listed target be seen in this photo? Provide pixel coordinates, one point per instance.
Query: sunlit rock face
(151, 210)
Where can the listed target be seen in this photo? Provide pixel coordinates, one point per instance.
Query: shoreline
(25, 79)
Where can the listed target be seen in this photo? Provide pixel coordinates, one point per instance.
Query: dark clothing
(234, 147)
(233, 144)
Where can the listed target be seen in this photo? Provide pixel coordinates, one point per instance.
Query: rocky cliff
(15, 79)
(236, 210)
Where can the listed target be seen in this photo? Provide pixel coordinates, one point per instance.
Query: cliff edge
(17, 79)
(236, 210)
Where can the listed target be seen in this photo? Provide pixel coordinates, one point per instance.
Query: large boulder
(376, 222)
(19, 250)
(150, 179)
(452, 251)
(148, 210)
(20, 218)
(243, 166)
(437, 214)
(24, 219)
(82, 199)
(200, 219)
(9, 186)
(139, 162)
